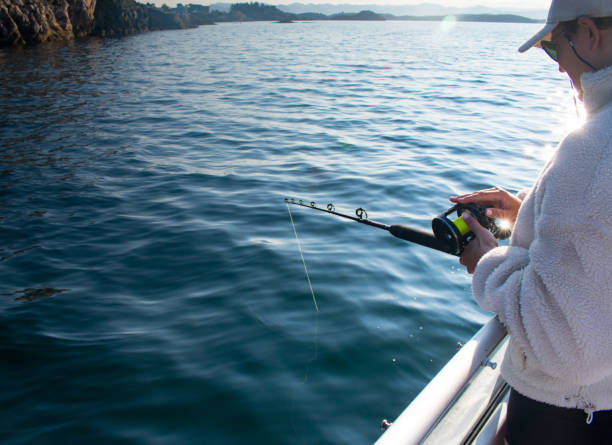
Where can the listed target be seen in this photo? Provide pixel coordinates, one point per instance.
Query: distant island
(419, 9)
(37, 21)
(495, 18)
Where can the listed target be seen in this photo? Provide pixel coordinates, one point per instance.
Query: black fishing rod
(449, 236)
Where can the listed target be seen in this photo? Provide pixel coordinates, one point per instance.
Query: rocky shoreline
(25, 22)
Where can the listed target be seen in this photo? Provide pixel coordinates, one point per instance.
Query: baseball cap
(565, 11)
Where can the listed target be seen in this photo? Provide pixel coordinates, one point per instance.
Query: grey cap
(565, 11)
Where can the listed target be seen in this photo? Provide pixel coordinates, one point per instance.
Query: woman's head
(578, 36)
(580, 45)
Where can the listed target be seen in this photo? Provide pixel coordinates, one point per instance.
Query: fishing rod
(449, 235)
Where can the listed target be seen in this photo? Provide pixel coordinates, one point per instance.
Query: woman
(552, 286)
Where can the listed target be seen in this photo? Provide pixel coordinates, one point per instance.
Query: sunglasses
(550, 48)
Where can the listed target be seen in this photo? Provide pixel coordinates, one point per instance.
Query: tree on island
(258, 11)
(363, 15)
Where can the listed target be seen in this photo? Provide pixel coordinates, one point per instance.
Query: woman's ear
(592, 31)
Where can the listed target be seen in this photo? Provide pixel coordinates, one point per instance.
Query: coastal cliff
(34, 21)
(115, 18)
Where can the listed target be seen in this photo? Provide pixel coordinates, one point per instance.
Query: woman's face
(568, 61)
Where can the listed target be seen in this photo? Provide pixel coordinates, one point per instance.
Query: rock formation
(35, 21)
(114, 18)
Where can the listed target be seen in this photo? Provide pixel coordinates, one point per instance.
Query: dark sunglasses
(550, 48)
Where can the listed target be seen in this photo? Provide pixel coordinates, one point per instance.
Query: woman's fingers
(476, 248)
(491, 196)
(496, 213)
(474, 225)
(500, 203)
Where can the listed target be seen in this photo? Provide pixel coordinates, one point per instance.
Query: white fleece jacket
(552, 286)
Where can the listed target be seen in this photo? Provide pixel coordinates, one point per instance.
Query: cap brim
(539, 36)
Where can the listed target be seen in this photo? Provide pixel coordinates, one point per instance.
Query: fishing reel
(456, 234)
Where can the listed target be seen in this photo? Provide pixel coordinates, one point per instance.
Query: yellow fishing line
(461, 225)
(303, 261)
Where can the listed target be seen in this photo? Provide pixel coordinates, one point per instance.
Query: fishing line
(305, 381)
(316, 333)
(303, 261)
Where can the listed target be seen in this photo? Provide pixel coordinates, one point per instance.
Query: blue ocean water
(152, 289)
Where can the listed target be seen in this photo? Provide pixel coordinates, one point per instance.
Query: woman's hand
(501, 204)
(481, 244)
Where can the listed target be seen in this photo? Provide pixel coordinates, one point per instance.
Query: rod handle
(419, 237)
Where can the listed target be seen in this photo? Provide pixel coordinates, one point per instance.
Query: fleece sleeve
(555, 298)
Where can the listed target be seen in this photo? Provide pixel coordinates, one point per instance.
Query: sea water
(152, 289)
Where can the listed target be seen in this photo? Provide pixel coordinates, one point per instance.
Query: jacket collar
(597, 89)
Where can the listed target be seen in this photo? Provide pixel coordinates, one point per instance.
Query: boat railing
(418, 420)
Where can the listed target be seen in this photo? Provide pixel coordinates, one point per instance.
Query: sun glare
(504, 224)
(448, 23)
(576, 114)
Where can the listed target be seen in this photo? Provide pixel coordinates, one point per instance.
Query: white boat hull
(464, 403)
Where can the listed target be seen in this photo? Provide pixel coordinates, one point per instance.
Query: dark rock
(35, 21)
(81, 16)
(115, 18)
